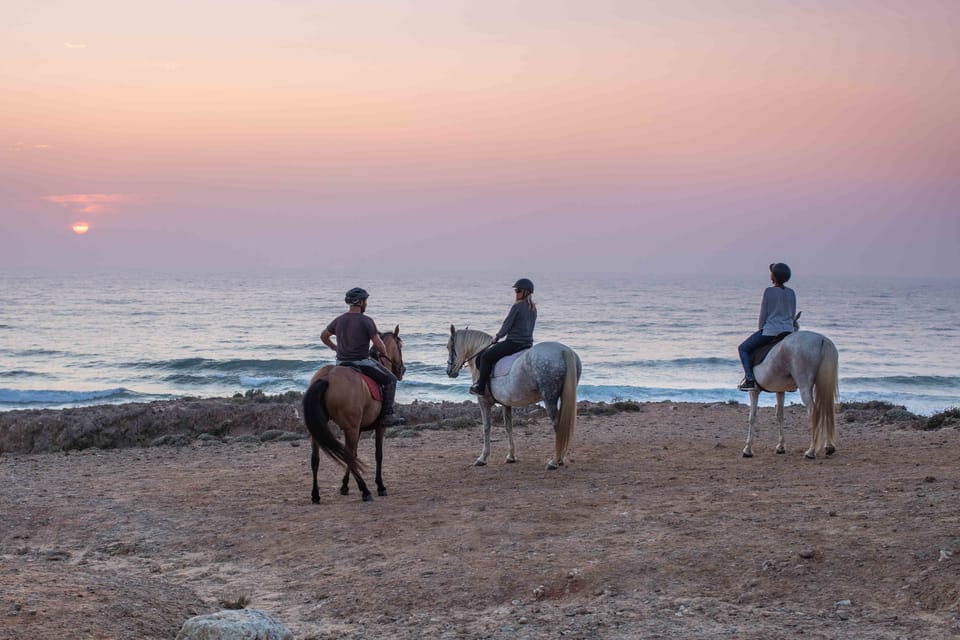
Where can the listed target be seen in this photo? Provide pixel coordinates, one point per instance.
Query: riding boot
(387, 416)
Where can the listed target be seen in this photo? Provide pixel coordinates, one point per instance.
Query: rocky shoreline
(257, 416)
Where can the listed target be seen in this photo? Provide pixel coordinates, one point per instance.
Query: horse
(341, 394)
(807, 361)
(548, 371)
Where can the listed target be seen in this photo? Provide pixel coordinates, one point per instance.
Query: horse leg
(485, 407)
(780, 448)
(752, 422)
(352, 441)
(806, 396)
(381, 490)
(508, 425)
(314, 465)
(553, 413)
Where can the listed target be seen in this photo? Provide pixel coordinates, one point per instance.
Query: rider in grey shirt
(777, 312)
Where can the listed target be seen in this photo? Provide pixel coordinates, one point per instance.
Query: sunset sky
(694, 136)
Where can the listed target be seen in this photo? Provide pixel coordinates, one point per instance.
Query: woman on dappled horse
(517, 331)
(355, 331)
(777, 312)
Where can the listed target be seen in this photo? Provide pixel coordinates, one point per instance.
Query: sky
(695, 136)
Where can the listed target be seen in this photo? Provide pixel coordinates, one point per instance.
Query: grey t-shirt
(777, 311)
(354, 332)
(518, 326)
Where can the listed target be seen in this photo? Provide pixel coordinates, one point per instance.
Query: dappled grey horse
(548, 371)
(807, 361)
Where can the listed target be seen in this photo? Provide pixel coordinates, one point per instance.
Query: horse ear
(452, 330)
(396, 331)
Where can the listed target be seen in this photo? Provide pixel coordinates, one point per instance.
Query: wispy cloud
(74, 45)
(23, 146)
(91, 202)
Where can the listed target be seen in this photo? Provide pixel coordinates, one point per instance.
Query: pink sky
(697, 136)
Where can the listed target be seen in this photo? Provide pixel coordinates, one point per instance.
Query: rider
(517, 328)
(777, 312)
(355, 331)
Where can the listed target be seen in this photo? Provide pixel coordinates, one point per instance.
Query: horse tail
(825, 391)
(318, 423)
(567, 418)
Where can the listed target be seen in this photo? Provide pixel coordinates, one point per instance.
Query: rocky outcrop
(240, 624)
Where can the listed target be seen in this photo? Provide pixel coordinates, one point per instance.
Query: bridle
(380, 357)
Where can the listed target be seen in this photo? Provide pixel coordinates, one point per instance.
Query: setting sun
(80, 228)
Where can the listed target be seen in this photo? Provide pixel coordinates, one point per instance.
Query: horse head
(394, 355)
(454, 363)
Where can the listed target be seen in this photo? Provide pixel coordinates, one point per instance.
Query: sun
(80, 227)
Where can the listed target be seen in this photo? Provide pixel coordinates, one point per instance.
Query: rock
(234, 624)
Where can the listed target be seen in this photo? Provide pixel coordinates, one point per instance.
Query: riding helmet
(780, 271)
(356, 296)
(524, 283)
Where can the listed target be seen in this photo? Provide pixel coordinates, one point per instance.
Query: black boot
(387, 416)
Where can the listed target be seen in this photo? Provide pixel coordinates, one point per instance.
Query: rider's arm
(508, 322)
(325, 338)
(378, 343)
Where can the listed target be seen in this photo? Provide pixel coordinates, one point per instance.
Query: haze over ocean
(75, 339)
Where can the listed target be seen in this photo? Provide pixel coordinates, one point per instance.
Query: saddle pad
(756, 357)
(505, 363)
(373, 386)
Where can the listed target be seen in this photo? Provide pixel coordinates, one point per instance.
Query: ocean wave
(935, 382)
(232, 365)
(20, 373)
(52, 397)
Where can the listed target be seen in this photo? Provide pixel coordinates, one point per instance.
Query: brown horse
(340, 394)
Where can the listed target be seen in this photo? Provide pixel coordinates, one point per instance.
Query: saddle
(375, 389)
(504, 364)
(756, 357)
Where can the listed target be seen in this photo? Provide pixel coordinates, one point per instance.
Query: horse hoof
(810, 456)
(748, 454)
(315, 499)
(551, 466)
(344, 491)
(381, 492)
(367, 497)
(781, 450)
(511, 460)
(480, 463)
(830, 451)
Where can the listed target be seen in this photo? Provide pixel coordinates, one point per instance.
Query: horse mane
(472, 340)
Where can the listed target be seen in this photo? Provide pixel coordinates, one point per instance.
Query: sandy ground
(656, 528)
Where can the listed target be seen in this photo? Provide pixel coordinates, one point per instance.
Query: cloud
(74, 45)
(90, 202)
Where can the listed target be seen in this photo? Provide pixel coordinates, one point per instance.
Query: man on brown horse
(355, 331)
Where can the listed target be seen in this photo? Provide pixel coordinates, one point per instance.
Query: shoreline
(257, 416)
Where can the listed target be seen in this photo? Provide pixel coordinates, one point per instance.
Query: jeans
(750, 345)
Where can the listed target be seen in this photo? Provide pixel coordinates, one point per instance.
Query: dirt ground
(656, 528)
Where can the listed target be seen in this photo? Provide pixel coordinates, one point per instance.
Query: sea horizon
(92, 337)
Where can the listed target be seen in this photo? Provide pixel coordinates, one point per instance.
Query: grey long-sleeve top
(777, 310)
(518, 326)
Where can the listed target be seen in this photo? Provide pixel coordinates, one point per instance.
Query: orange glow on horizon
(80, 227)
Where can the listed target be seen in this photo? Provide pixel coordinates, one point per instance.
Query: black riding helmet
(780, 271)
(524, 283)
(355, 296)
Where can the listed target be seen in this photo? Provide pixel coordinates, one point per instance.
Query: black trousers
(489, 358)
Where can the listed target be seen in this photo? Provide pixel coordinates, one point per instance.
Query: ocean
(78, 339)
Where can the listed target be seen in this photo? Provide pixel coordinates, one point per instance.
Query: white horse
(806, 361)
(548, 371)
